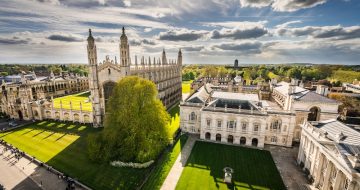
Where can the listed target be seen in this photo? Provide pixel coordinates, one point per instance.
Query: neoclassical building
(273, 115)
(165, 73)
(330, 153)
(26, 96)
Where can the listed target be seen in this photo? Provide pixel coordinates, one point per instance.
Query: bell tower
(124, 54)
(94, 80)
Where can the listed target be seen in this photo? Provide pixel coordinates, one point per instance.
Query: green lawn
(253, 169)
(63, 146)
(163, 166)
(186, 86)
(75, 100)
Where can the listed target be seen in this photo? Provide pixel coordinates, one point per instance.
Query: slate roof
(351, 137)
(314, 97)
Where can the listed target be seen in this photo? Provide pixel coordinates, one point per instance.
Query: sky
(207, 31)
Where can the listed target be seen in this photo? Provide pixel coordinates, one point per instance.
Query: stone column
(301, 150)
(318, 174)
(327, 176)
(338, 179)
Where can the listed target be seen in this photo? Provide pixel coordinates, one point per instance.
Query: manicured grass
(186, 86)
(175, 119)
(253, 169)
(63, 146)
(164, 165)
(75, 100)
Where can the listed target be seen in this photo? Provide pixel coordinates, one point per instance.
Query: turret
(91, 47)
(164, 60)
(179, 60)
(124, 49)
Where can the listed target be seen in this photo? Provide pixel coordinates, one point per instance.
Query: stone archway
(218, 137)
(21, 117)
(230, 139)
(254, 142)
(242, 140)
(314, 114)
(207, 136)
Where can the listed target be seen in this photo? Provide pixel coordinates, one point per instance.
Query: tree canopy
(136, 124)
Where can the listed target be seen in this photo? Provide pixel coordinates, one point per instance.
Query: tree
(136, 124)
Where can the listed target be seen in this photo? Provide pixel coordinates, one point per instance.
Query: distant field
(75, 100)
(253, 169)
(186, 86)
(345, 76)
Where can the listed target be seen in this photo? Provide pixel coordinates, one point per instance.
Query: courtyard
(253, 168)
(75, 100)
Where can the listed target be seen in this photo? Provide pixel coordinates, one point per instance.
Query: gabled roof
(201, 95)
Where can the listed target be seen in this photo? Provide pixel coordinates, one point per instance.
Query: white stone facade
(248, 119)
(166, 74)
(330, 153)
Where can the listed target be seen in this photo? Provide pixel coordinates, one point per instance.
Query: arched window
(207, 136)
(273, 139)
(218, 137)
(254, 142)
(109, 71)
(242, 140)
(230, 139)
(314, 114)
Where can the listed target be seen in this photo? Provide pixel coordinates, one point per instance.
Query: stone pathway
(175, 172)
(24, 174)
(285, 161)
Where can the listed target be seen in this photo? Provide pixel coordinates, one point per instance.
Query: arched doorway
(254, 142)
(207, 136)
(314, 114)
(20, 115)
(108, 88)
(242, 140)
(218, 137)
(230, 139)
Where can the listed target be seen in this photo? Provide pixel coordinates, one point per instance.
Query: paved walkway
(285, 161)
(24, 174)
(175, 172)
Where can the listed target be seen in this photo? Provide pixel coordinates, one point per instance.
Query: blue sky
(208, 31)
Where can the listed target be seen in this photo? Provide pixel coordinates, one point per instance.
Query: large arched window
(108, 88)
(314, 114)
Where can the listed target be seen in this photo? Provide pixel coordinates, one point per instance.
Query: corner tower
(124, 54)
(94, 80)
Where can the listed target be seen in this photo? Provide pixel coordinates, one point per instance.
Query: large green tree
(136, 124)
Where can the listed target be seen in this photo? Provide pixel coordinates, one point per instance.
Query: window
(243, 126)
(219, 123)
(256, 127)
(192, 116)
(208, 122)
(231, 124)
(276, 125)
(273, 139)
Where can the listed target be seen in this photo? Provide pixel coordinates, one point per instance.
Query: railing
(231, 110)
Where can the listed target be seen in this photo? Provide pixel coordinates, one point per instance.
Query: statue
(228, 175)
